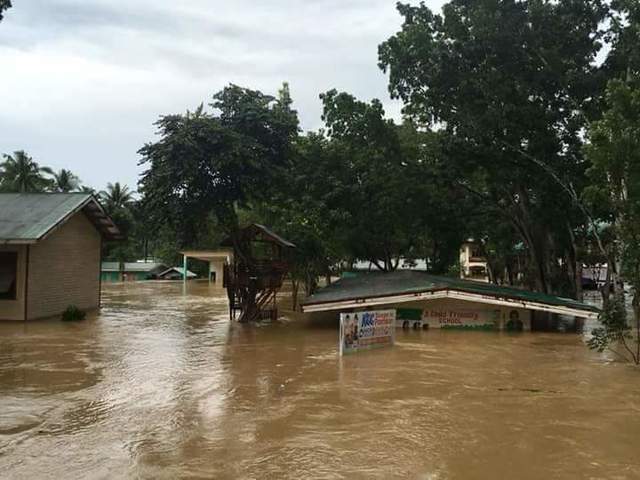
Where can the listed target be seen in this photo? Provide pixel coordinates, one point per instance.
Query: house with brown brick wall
(50, 252)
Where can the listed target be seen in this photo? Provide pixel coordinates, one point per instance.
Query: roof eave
(18, 241)
(449, 293)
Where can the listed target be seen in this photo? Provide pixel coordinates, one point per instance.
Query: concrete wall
(64, 269)
(217, 267)
(452, 313)
(14, 309)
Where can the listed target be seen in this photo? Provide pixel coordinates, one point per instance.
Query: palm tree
(116, 196)
(19, 173)
(65, 181)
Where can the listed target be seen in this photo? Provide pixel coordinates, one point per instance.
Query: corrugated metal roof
(380, 284)
(28, 217)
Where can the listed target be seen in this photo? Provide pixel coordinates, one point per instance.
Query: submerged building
(130, 271)
(50, 248)
(441, 302)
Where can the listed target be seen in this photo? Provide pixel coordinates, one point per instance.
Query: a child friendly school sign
(366, 330)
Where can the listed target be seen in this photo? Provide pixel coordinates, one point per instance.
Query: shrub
(73, 314)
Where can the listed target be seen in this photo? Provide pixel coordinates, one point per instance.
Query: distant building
(216, 260)
(50, 247)
(130, 271)
(473, 263)
(594, 276)
(176, 273)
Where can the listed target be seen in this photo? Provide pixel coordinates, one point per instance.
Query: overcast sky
(82, 81)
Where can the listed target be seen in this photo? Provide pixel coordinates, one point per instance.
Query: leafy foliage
(65, 181)
(614, 151)
(116, 197)
(615, 333)
(212, 162)
(20, 173)
(4, 5)
(511, 84)
(73, 314)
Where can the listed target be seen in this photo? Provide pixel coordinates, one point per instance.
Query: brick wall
(64, 269)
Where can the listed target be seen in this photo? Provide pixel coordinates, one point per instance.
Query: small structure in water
(130, 271)
(176, 273)
(256, 272)
(431, 301)
(50, 247)
(215, 259)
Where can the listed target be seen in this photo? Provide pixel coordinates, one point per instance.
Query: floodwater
(161, 385)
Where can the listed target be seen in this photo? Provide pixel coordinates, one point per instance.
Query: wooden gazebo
(256, 272)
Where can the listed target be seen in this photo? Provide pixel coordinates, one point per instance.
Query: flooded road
(161, 385)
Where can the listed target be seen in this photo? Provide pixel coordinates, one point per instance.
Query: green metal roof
(131, 267)
(28, 217)
(364, 285)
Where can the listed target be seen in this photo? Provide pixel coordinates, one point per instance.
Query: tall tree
(512, 84)
(20, 173)
(116, 197)
(212, 163)
(623, 60)
(65, 181)
(378, 204)
(614, 150)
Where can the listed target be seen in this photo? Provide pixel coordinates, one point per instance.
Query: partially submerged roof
(208, 255)
(257, 231)
(133, 267)
(29, 217)
(378, 288)
(179, 270)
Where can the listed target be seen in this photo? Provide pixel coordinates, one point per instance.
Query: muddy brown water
(161, 385)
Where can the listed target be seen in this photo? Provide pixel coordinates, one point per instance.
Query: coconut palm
(65, 181)
(116, 196)
(20, 173)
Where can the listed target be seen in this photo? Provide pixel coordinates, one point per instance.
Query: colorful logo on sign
(366, 330)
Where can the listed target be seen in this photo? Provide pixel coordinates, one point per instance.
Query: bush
(73, 314)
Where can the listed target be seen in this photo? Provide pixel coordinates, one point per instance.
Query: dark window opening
(8, 275)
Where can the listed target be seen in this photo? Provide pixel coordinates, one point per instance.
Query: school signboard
(462, 318)
(366, 330)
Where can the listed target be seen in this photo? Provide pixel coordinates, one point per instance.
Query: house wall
(217, 267)
(14, 309)
(64, 269)
(110, 277)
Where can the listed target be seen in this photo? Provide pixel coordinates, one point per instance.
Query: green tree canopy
(65, 181)
(512, 85)
(213, 162)
(116, 197)
(20, 173)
